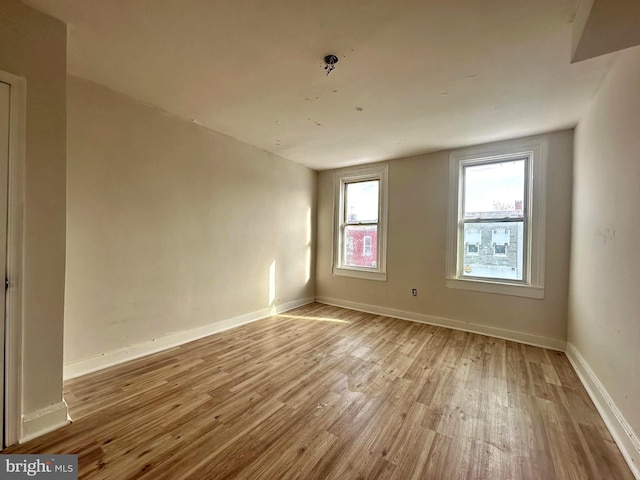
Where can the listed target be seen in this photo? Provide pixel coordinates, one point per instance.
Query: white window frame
(535, 150)
(341, 179)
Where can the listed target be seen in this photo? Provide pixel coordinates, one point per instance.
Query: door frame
(15, 260)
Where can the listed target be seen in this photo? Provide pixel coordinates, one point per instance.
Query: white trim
(379, 171)
(520, 337)
(15, 260)
(358, 273)
(515, 290)
(536, 149)
(624, 436)
(121, 355)
(44, 421)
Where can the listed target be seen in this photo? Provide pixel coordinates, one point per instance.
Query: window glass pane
(494, 250)
(361, 246)
(494, 190)
(361, 201)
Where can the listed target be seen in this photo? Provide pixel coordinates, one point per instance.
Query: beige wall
(33, 46)
(172, 226)
(418, 202)
(604, 301)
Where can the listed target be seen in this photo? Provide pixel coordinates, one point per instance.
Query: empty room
(320, 240)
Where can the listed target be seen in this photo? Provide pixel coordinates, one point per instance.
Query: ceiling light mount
(330, 63)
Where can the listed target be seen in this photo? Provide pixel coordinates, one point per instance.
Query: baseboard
(624, 436)
(529, 339)
(44, 421)
(115, 357)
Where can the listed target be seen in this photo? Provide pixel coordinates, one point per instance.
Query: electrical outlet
(414, 292)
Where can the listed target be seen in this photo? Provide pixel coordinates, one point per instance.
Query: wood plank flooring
(328, 393)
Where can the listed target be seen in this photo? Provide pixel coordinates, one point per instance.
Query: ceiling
(413, 76)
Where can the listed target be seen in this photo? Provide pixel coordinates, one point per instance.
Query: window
(366, 246)
(496, 219)
(473, 239)
(502, 250)
(360, 232)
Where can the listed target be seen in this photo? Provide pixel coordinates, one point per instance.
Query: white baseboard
(624, 436)
(115, 357)
(44, 421)
(536, 340)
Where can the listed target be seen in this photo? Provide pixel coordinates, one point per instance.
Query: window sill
(516, 290)
(362, 274)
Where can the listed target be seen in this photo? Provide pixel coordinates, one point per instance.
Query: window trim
(351, 175)
(535, 189)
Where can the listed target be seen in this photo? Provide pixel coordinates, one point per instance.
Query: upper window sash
(345, 214)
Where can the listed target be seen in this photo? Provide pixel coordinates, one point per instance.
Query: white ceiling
(414, 75)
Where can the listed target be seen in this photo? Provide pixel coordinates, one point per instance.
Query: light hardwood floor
(328, 393)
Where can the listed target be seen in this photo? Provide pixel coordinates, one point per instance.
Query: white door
(5, 91)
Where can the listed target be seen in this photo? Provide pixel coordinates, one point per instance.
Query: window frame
(506, 220)
(535, 151)
(342, 178)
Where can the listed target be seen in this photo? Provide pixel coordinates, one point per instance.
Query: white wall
(33, 46)
(604, 300)
(172, 227)
(416, 257)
